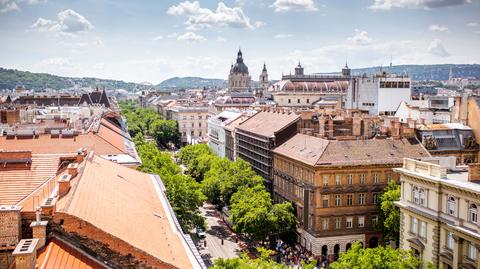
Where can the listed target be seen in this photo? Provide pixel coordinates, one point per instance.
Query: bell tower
(264, 78)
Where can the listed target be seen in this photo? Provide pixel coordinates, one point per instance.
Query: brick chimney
(39, 228)
(81, 154)
(72, 169)
(26, 254)
(49, 206)
(474, 172)
(64, 184)
(11, 233)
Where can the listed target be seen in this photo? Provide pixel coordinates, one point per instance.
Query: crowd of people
(295, 255)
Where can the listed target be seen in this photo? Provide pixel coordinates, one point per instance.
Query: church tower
(299, 70)
(264, 78)
(346, 71)
(239, 80)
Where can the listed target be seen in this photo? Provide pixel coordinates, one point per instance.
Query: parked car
(201, 233)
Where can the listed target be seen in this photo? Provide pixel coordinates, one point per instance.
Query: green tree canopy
(375, 258)
(164, 132)
(389, 212)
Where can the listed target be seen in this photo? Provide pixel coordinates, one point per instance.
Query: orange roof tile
(266, 123)
(117, 200)
(16, 184)
(46, 144)
(58, 254)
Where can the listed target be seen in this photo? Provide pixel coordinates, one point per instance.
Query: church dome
(239, 67)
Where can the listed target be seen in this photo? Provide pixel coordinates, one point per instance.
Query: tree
(197, 159)
(389, 212)
(253, 214)
(372, 258)
(165, 132)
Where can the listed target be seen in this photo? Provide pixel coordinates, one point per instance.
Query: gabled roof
(129, 205)
(317, 151)
(266, 123)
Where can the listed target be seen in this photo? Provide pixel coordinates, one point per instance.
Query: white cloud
(427, 4)
(436, 48)
(287, 5)
(280, 36)
(191, 37)
(69, 22)
(158, 37)
(221, 39)
(259, 24)
(172, 35)
(472, 24)
(198, 17)
(7, 6)
(438, 28)
(360, 38)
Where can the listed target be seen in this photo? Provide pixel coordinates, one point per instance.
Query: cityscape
(275, 134)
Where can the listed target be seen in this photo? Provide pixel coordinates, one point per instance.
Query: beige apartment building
(192, 123)
(439, 214)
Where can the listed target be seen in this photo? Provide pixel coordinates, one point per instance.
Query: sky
(153, 40)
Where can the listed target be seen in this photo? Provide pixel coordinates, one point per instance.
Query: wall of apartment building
(189, 122)
(290, 178)
(474, 116)
(298, 99)
(433, 211)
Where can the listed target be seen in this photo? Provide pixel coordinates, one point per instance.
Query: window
(192, 133)
(350, 179)
(325, 224)
(389, 178)
(338, 179)
(415, 195)
(325, 180)
(200, 133)
(421, 195)
(472, 252)
(289, 101)
(473, 213)
(375, 198)
(361, 199)
(349, 222)
(361, 221)
(451, 206)
(376, 178)
(414, 225)
(193, 125)
(423, 229)
(349, 199)
(337, 200)
(374, 221)
(199, 124)
(362, 179)
(338, 223)
(325, 201)
(308, 101)
(298, 101)
(200, 117)
(450, 240)
(192, 117)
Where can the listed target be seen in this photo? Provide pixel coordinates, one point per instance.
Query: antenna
(390, 61)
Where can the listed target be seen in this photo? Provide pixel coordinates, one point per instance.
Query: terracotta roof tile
(319, 151)
(266, 123)
(118, 200)
(58, 254)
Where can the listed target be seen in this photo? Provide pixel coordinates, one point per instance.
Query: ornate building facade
(239, 78)
(439, 214)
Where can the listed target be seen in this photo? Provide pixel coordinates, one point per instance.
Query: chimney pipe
(39, 228)
(26, 254)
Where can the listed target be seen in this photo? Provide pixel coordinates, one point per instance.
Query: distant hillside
(428, 72)
(10, 78)
(191, 82)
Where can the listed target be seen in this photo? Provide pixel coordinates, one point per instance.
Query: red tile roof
(267, 123)
(59, 254)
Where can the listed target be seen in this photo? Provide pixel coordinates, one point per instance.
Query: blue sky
(149, 41)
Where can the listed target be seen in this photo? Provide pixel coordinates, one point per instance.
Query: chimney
(81, 154)
(474, 172)
(49, 206)
(357, 123)
(72, 169)
(64, 184)
(39, 228)
(26, 254)
(11, 232)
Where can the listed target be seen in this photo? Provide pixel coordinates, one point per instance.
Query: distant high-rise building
(239, 79)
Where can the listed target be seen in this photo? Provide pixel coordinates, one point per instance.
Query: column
(457, 251)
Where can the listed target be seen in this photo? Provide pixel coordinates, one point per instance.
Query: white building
(436, 109)
(379, 94)
(216, 130)
(439, 214)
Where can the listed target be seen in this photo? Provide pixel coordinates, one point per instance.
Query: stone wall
(6, 259)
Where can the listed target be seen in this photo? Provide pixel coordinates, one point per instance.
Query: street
(216, 231)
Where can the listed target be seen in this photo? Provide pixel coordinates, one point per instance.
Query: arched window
(451, 205)
(421, 194)
(415, 195)
(473, 213)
